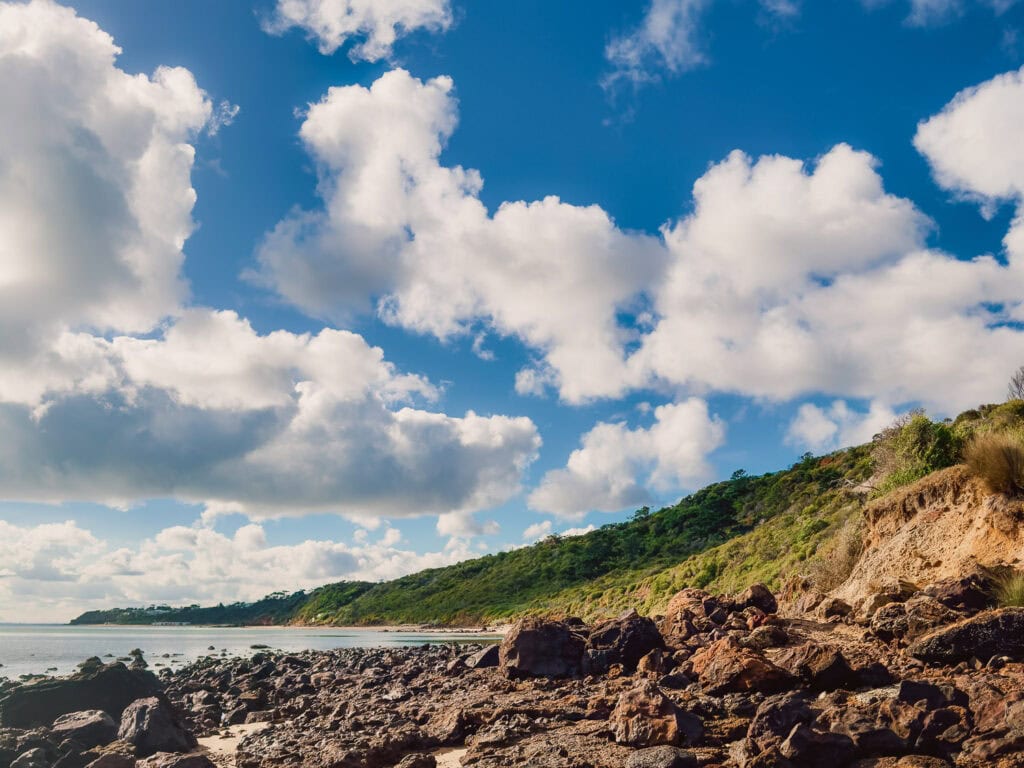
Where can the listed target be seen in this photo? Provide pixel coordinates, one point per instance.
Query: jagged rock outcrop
(110, 689)
(535, 647)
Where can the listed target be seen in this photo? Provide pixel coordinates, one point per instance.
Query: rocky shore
(906, 677)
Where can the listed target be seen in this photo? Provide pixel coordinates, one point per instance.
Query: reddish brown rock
(757, 596)
(646, 717)
(727, 667)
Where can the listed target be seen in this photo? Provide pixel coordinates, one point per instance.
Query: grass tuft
(835, 564)
(1009, 590)
(997, 459)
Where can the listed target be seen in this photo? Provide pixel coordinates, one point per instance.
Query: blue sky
(458, 275)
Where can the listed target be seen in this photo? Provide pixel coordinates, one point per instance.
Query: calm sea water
(58, 649)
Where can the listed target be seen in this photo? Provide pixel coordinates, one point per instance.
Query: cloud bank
(113, 389)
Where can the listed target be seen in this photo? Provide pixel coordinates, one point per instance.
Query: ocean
(57, 649)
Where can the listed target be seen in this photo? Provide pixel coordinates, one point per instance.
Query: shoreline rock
(719, 681)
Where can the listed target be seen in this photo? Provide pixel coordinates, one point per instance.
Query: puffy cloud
(788, 280)
(973, 143)
(378, 23)
(95, 194)
(282, 424)
(112, 390)
(463, 526)
(537, 531)
(615, 465)
(838, 426)
(398, 226)
(53, 572)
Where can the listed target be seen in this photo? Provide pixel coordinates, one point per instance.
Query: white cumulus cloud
(400, 228)
(837, 426)
(788, 280)
(615, 465)
(376, 23)
(52, 572)
(113, 389)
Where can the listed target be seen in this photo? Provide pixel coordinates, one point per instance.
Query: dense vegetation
(740, 529)
(277, 608)
(800, 521)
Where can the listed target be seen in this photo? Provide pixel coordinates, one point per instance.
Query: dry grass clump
(835, 562)
(997, 459)
(1009, 590)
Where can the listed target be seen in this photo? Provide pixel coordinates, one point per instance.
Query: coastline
(497, 629)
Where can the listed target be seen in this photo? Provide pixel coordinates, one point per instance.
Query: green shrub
(911, 448)
(997, 459)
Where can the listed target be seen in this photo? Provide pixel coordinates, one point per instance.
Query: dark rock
(418, 761)
(152, 726)
(766, 636)
(174, 760)
(815, 749)
(774, 720)
(993, 633)
(969, 593)
(91, 728)
(484, 659)
(933, 696)
(890, 621)
(33, 758)
(833, 607)
(820, 667)
(645, 717)
(624, 641)
(113, 760)
(111, 688)
(757, 596)
(539, 647)
(661, 757)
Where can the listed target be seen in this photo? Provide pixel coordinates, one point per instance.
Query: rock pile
(907, 678)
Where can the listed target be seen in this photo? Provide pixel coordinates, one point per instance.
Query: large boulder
(109, 688)
(774, 720)
(969, 593)
(757, 596)
(152, 725)
(820, 667)
(91, 728)
(541, 648)
(993, 633)
(685, 611)
(624, 641)
(645, 717)
(727, 667)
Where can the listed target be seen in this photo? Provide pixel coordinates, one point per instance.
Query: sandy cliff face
(942, 526)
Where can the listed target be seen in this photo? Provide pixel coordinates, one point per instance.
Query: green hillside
(800, 521)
